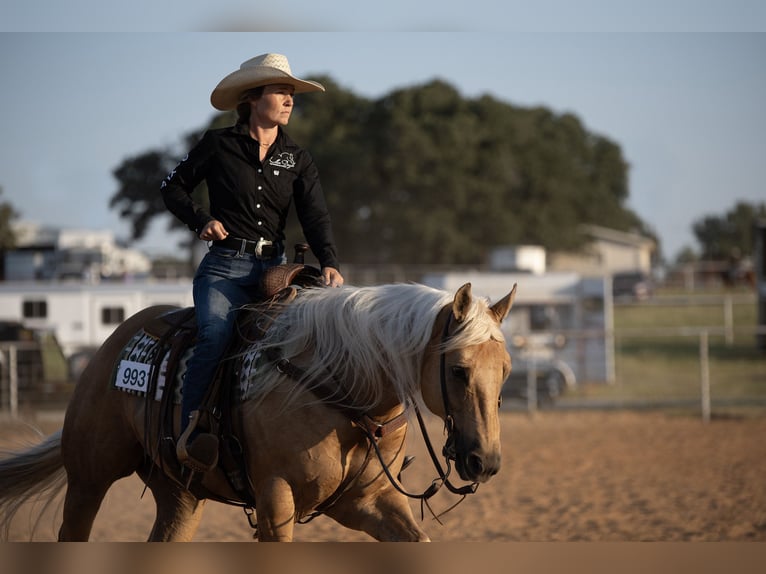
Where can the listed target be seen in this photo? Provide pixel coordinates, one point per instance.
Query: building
(521, 258)
(48, 253)
(560, 321)
(608, 252)
(83, 315)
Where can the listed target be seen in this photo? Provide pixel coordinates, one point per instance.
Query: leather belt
(262, 249)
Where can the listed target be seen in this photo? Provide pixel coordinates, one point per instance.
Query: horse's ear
(501, 308)
(462, 303)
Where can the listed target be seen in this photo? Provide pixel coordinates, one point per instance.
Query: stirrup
(201, 454)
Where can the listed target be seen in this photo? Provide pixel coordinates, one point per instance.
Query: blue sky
(686, 108)
(401, 15)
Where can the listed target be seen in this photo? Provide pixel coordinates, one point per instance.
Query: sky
(687, 108)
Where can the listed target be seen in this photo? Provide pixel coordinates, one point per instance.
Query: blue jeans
(224, 282)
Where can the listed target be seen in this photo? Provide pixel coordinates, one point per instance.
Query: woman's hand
(213, 231)
(332, 277)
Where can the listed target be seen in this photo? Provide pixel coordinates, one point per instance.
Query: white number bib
(133, 376)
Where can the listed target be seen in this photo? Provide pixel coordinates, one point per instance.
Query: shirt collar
(282, 141)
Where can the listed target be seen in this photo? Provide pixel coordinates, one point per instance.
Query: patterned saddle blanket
(148, 355)
(156, 356)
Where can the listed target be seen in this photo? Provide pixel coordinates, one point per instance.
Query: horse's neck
(388, 408)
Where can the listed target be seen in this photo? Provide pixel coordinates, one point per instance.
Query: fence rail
(702, 338)
(12, 383)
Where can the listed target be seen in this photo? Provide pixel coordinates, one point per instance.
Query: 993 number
(134, 377)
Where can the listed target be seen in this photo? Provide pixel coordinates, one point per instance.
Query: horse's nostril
(475, 464)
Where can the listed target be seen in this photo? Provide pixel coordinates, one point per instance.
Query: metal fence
(720, 365)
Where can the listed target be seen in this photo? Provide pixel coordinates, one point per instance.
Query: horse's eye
(499, 401)
(460, 373)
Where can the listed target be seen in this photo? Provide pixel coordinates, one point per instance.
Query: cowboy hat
(259, 71)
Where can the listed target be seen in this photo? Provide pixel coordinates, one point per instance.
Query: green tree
(7, 216)
(686, 255)
(138, 197)
(7, 236)
(729, 235)
(424, 175)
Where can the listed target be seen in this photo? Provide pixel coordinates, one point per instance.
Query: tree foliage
(7, 215)
(730, 235)
(424, 175)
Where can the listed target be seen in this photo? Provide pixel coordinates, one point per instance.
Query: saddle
(279, 286)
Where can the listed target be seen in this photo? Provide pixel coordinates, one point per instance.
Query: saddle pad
(252, 361)
(138, 359)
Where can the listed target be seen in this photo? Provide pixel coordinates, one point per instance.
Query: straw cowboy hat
(259, 71)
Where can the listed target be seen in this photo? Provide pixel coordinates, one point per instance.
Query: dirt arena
(586, 476)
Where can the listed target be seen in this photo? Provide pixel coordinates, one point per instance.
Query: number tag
(133, 376)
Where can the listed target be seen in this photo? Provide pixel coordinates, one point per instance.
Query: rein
(449, 424)
(374, 431)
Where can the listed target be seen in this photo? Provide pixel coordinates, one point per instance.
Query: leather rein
(447, 451)
(375, 431)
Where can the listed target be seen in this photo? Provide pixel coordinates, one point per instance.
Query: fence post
(13, 380)
(609, 336)
(705, 376)
(728, 320)
(532, 386)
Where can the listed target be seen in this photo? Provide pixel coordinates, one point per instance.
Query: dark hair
(243, 107)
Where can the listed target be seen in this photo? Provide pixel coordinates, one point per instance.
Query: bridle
(447, 450)
(375, 431)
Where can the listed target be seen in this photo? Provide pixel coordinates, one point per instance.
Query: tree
(138, 197)
(730, 235)
(7, 236)
(424, 175)
(686, 255)
(7, 215)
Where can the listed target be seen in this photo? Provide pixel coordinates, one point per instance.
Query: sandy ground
(587, 476)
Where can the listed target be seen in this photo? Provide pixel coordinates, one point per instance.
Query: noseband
(448, 450)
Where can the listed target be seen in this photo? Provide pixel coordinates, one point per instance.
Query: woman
(253, 171)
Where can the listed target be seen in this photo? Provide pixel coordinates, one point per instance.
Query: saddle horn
(300, 250)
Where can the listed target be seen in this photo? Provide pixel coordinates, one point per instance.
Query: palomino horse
(383, 349)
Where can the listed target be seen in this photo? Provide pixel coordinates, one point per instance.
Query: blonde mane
(368, 340)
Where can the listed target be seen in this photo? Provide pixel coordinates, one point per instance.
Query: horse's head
(463, 374)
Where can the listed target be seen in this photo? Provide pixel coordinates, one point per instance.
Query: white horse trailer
(82, 316)
(560, 325)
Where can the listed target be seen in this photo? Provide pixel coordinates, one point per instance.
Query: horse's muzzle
(476, 466)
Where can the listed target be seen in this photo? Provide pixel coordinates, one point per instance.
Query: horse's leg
(98, 447)
(100, 442)
(90, 474)
(385, 515)
(178, 511)
(276, 511)
(81, 505)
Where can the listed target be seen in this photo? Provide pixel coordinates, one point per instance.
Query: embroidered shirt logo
(172, 173)
(283, 159)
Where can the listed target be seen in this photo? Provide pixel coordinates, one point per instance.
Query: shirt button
(260, 223)
(260, 170)
(260, 187)
(257, 205)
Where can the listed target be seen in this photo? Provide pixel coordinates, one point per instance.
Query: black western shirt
(249, 197)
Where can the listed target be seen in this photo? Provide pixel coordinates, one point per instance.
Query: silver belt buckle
(259, 245)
